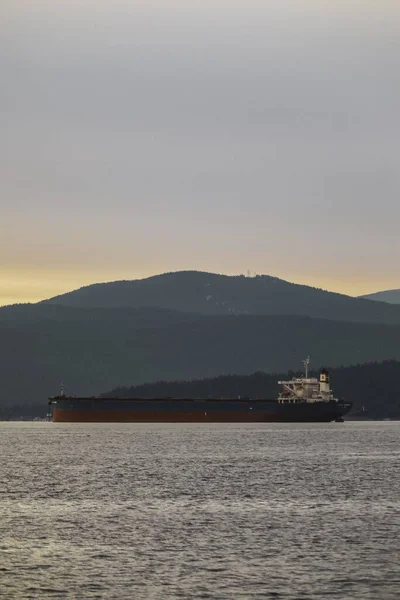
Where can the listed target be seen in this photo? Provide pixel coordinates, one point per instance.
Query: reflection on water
(200, 511)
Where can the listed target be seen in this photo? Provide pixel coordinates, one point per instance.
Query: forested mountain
(374, 386)
(390, 296)
(211, 294)
(92, 350)
(182, 326)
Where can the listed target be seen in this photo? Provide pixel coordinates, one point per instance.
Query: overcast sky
(153, 136)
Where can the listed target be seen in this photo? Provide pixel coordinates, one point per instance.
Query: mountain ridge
(210, 293)
(203, 325)
(389, 296)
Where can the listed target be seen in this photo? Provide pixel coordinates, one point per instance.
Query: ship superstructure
(307, 389)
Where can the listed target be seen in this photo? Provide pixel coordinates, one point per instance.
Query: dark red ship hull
(173, 410)
(87, 416)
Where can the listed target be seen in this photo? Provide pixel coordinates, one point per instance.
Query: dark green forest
(92, 350)
(182, 326)
(212, 294)
(374, 387)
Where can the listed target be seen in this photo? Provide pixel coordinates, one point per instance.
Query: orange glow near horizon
(142, 138)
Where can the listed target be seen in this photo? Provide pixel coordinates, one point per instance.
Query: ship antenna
(306, 362)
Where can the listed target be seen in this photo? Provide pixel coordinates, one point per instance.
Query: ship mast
(306, 362)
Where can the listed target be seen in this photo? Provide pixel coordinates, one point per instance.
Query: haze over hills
(92, 350)
(390, 296)
(182, 326)
(212, 294)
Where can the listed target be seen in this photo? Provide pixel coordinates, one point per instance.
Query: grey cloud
(250, 123)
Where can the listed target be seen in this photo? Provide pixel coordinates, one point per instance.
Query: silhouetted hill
(210, 294)
(92, 350)
(41, 313)
(390, 296)
(375, 386)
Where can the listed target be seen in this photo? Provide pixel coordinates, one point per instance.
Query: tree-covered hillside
(211, 294)
(92, 350)
(374, 387)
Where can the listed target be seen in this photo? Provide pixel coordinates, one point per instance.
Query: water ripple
(185, 511)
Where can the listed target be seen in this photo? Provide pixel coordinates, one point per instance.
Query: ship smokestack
(324, 382)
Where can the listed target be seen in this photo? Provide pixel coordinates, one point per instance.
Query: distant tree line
(374, 387)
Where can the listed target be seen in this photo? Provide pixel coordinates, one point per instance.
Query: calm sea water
(200, 511)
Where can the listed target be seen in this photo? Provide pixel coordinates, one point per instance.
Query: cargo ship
(301, 400)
